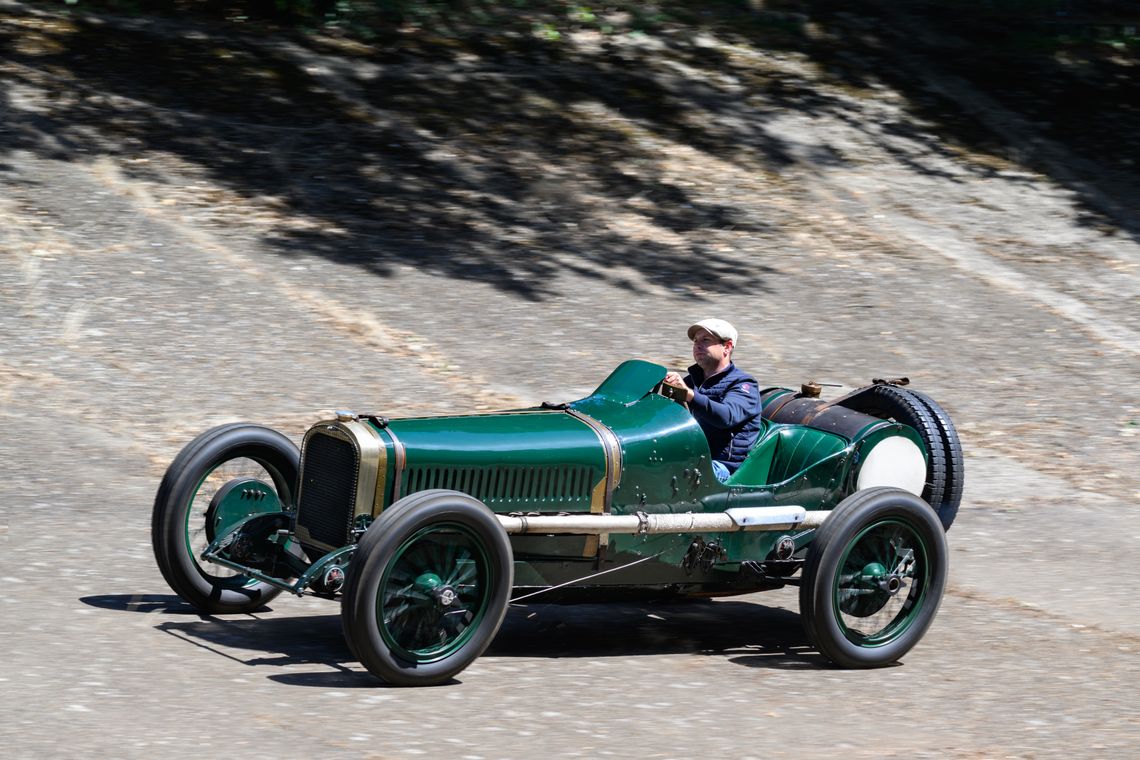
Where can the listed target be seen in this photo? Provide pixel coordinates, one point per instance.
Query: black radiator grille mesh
(560, 487)
(328, 489)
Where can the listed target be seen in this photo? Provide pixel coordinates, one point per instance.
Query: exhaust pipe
(642, 523)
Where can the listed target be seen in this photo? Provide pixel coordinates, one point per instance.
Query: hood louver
(567, 487)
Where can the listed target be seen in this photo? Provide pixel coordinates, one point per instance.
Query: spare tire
(955, 464)
(945, 471)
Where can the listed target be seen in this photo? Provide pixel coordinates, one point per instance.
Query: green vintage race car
(427, 528)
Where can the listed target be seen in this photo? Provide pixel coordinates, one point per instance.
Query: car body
(427, 528)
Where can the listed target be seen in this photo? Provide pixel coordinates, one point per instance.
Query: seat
(784, 452)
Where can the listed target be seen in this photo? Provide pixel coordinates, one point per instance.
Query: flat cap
(717, 327)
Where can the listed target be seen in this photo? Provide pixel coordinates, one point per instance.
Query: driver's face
(708, 349)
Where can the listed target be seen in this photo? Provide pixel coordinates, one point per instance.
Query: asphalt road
(133, 317)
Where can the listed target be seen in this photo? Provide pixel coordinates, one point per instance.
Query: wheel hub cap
(876, 575)
(428, 582)
(433, 587)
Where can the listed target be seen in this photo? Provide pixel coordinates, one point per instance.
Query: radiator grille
(328, 489)
(564, 487)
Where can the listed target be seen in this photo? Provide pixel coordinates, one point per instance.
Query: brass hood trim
(604, 491)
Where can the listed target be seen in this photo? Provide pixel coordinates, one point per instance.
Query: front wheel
(224, 475)
(874, 578)
(428, 588)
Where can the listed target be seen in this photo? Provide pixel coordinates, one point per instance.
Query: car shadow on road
(746, 633)
(166, 603)
(272, 640)
(770, 635)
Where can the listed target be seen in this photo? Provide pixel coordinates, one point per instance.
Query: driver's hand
(675, 379)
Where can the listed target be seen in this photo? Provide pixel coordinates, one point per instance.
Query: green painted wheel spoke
(454, 622)
(450, 552)
(410, 594)
(463, 573)
(906, 561)
(197, 535)
(393, 615)
(883, 555)
(431, 596)
(856, 561)
(885, 551)
(417, 563)
(469, 595)
(852, 592)
(403, 574)
(430, 631)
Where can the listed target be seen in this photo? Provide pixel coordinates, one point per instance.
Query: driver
(724, 400)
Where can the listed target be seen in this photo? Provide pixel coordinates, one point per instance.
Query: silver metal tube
(689, 522)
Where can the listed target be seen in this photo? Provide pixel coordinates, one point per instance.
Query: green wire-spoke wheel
(874, 578)
(434, 593)
(881, 581)
(428, 588)
(222, 477)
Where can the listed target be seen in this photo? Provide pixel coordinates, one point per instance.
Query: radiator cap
(344, 415)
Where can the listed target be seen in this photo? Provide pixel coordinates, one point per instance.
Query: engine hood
(537, 459)
(622, 445)
(527, 437)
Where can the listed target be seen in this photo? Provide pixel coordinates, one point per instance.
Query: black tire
(955, 463)
(347, 608)
(944, 469)
(428, 588)
(179, 531)
(857, 611)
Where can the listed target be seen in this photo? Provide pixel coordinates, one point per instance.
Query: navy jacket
(727, 407)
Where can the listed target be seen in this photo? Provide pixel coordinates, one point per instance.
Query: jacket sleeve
(740, 404)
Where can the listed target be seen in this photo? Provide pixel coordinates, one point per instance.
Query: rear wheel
(945, 472)
(221, 477)
(428, 588)
(874, 578)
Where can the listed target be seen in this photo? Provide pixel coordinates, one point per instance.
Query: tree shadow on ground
(492, 174)
(1046, 86)
(507, 161)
